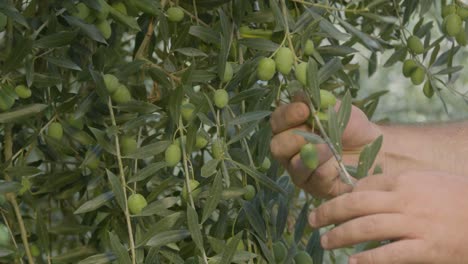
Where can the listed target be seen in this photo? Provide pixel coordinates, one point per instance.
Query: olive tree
(137, 131)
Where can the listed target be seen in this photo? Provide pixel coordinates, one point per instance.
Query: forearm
(441, 147)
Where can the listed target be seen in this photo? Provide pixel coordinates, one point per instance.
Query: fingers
(299, 171)
(325, 181)
(288, 116)
(352, 205)
(376, 227)
(287, 143)
(379, 182)
(404, 251)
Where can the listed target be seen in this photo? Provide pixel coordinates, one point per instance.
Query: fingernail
(313, 219)
(352, 261)
(324, 241)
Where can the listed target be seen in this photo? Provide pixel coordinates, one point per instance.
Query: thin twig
(8, 152)
(124, 184)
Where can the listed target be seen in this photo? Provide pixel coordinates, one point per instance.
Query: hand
(285, 147)
(424, 213)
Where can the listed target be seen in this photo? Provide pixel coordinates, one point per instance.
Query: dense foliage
(137, 131)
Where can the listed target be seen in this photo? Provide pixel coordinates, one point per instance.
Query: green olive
(266, 164)
(301, 73)
(128, 145)
(92, 159)
(415, 45)
(7, 98)
(228, 73)
(105, 28)
(193, 189)
(266, 69)
(4, 236)
(81, 11)
(453, 24)
(284, 60)
(461, 38)
(408, 67)
(175, 14)
(200, 142)
(23, 92)
(303, 257)
(75, 122)
(218, 148)
(120, 7)
(448, 10)
(104, 12)
(121, 95)
(136, 202)
(279, 251)
(249, 192)
(187, 111)
(417, 77)
(309, 156)
(428, 90)
(35, 252)
(221, 98)
(111, 82)
(327, 99)
(55, 130)
(462, 12)
(309, 48)
(173, 155)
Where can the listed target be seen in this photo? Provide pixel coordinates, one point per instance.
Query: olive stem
(8, 152)
(124, 184)
(344, 175)
(187, 177)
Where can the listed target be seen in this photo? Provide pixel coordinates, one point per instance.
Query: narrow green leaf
(149, 150)
(259, 44)
(194, 227)
(147, 172)
(249, 117)
(55, 40)
(255, 219)
(310, 137)
(94, 203)
(89, 30)
(231, 248)
(313, 85)
(269, 183)
(166, 223)
(118, 249)
(334, 131)
(330, 68)
(209, 168)
(21, 113)
(213, 198)
(116, 189)
(345, 111)
(301, 223)
(99, 259)
(365, 39)
(205, 34)
(368, 156)
(63, 62)
(167, 237)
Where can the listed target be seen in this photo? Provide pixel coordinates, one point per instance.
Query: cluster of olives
(8, 95)
(119, 92)
(413, 69)
(452, 25)
(99, 19)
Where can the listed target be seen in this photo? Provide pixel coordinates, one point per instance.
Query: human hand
(424, 213)
(285, 147)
